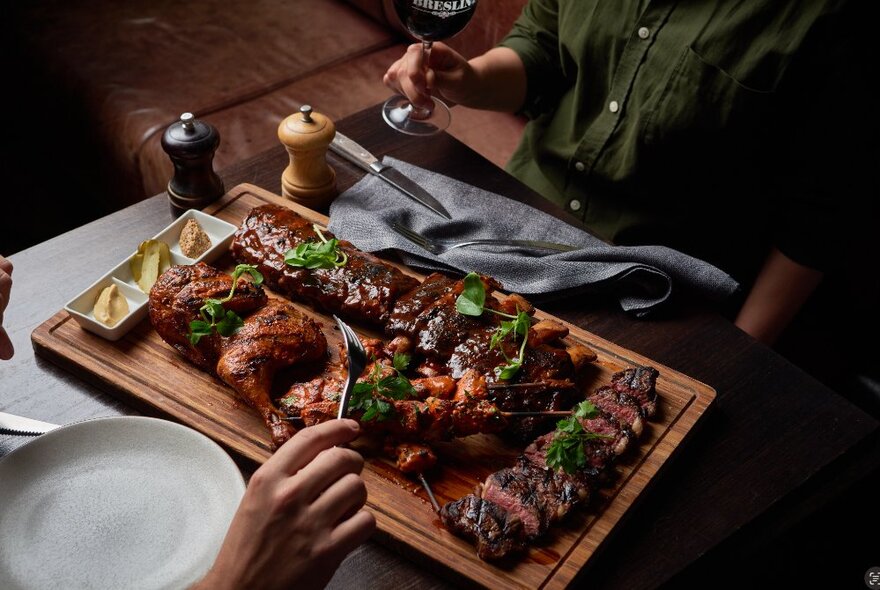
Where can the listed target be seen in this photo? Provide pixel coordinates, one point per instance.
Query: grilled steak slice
(617, 436)
(494, 531)
(561, 491)
(536, 494)
(623, 407)
(364, 289)
(638, 383)
(512, 491)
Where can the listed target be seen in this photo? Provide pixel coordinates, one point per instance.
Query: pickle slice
(152, 259)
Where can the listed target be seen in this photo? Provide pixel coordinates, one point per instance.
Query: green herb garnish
(566, 451)
(311, 255)
(473, 296)
(371, 395)
(215, 316)
(472, 302)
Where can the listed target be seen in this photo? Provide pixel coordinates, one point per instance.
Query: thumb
(444, 58)
(6, 349)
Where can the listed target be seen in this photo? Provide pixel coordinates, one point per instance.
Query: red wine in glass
(427, 21)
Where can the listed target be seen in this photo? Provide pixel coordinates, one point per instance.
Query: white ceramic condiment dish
(81, 307)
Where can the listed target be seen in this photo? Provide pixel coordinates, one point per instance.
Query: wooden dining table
(776, 446)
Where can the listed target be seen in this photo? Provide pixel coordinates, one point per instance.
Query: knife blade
(12, 424)
(356, 154)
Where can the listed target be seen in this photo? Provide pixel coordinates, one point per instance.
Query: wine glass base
(398, 113)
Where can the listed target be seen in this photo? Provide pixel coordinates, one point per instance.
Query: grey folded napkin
(640, 277)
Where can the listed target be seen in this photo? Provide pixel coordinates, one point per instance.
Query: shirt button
(644, 33)
(574, 205)
(613, 106)
(579, 166)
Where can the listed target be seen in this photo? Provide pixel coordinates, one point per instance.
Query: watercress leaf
(508, 371)
(396, 387)
(385, 409)
(580, 458)
(362, 387)
(500, 333)
(213, 309)
(522, 324)
(229, 324)
(566, 425)
(473, 296)
(249, 269)
(197, 329)
(400, 361)
(554, 455)
(586, 409)
(323, 249)
(370, 413)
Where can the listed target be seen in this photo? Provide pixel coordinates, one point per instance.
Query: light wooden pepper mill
(308, 180)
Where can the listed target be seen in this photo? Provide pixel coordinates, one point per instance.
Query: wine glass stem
(421, 112)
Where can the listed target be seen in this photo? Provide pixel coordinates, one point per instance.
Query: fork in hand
(357, 362)
(435, 246)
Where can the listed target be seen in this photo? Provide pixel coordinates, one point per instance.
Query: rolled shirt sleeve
(535, 39)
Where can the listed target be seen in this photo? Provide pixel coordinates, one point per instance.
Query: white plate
(81, 307)
(125, 502)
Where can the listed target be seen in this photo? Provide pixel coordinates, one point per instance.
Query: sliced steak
(494, 531)
(638, 383)
(514, 492)
(559, 490)
(623, 407)
(599, 454)
(616, 436)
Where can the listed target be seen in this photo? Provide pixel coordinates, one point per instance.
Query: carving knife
(18, 425)
(356, 154)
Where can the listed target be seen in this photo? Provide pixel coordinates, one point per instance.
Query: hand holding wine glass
(428, 21)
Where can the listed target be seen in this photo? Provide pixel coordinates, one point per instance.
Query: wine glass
(427, 21)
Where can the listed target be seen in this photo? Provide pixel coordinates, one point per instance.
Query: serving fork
(357, 362)
(438, 246)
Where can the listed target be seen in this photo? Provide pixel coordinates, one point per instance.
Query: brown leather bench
(123, 71)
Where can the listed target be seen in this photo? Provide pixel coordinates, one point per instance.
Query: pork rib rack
(364, 289)
(275, 335)
(426, 323)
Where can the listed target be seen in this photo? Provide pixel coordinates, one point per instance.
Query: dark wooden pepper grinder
(191, 144)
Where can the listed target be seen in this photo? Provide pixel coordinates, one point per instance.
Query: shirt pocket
(702, 101)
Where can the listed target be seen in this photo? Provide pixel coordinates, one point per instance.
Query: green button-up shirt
(710, 126)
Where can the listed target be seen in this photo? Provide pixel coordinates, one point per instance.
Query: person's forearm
(499, 82)
(780, 290)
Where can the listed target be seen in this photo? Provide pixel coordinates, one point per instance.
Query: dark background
(53, 178)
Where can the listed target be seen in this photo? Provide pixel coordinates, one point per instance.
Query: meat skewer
(430, 493)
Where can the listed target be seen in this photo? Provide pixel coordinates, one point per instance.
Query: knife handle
(355, 153)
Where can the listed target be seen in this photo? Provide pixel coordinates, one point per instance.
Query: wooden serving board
(147, 373)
